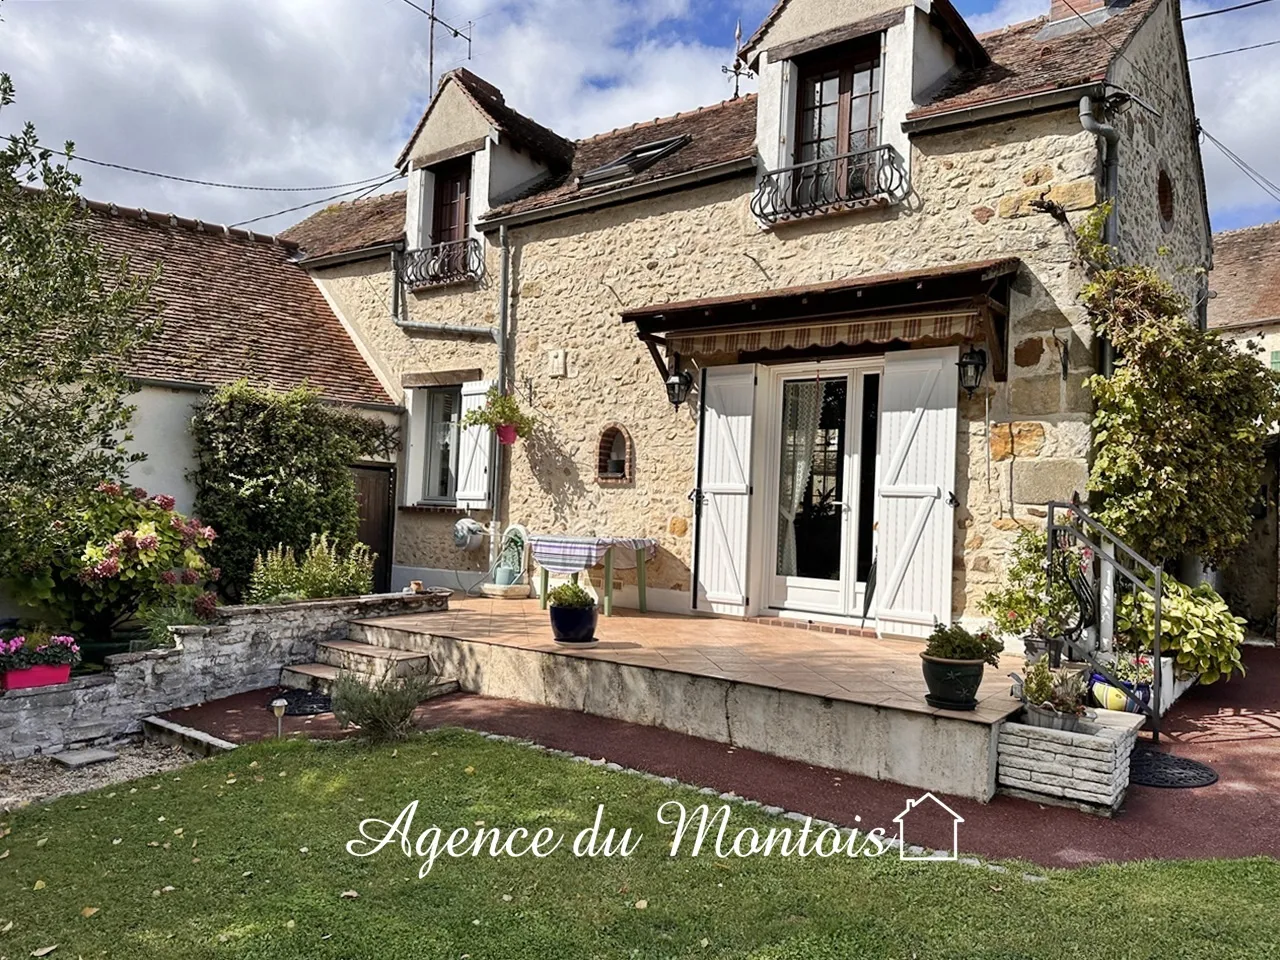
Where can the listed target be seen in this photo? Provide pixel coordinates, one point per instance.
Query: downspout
(1110, 188)
(502, 337)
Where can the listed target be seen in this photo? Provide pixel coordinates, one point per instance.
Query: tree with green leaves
(1179, 426)
(273, 469)
(70, 319)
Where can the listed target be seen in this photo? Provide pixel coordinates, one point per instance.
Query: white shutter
(475, 446)
(918, 464)
(416, 449)
(724, 462)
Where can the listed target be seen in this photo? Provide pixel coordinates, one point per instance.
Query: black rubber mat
(304, 703)
(1154, 768)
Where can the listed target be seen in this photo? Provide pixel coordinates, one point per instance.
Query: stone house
(809, 271)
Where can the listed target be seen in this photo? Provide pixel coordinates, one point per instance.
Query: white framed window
(440, 473)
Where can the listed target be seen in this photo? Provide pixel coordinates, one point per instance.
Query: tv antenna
(459, 33)
(739, 69)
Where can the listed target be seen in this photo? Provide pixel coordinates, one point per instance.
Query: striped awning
(917, 328)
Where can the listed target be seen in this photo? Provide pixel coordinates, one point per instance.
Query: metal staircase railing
(1076, 527)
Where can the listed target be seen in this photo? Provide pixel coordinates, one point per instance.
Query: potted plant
(1134, 673)
(36, 661)
(573, 615)
(502, 414)
(953, 661)
(1054, 699)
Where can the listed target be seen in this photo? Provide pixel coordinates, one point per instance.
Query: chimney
(1059, 9)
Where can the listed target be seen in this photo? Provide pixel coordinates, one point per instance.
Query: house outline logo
(901, 821)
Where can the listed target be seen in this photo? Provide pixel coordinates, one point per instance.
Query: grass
(209, 862)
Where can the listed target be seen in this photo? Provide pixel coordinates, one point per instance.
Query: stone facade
(244, 649)
(1087, 767)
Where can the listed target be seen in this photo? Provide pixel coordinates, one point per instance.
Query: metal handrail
(830, 183)
(1154, 589)
(442, 263)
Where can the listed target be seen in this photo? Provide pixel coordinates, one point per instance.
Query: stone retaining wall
(243, 649)
(1086, 768)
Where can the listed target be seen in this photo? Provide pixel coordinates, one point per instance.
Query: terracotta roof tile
(1024, 63)
(720, 133)
(354, 225)
(542, 142)
(234, 305)
(1246, 276)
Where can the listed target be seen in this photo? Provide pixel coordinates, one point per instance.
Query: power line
(1223, 53)
(1214, 13)
(212, 183)
(1267, 186)
(362, 191)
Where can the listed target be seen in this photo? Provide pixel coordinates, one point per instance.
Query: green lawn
(209, 862)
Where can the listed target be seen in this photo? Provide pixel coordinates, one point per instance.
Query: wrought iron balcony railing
(443, 263)
(831, 184)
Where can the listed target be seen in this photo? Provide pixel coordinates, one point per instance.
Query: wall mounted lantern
(973, 364)
(678, 383)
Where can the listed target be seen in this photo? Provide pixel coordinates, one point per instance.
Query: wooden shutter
(475, 448)
(727, 401)
(452, 202)
(918, 458)
(416, 449)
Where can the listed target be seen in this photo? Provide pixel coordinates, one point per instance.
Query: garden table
(573, 555)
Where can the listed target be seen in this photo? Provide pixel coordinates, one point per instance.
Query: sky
(322, 92)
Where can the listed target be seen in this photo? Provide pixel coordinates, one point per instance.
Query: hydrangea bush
(123, 552)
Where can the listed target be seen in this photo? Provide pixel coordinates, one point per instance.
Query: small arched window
(615, 458)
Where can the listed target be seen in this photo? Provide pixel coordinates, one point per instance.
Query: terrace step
(371, 660)
(320, 678)
(378, 633)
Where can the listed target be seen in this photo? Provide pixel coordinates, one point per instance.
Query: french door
(821, 473)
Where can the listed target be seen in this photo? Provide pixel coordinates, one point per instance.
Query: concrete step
(379, 633)
(320, 677)
(197, 741)
(371, 660)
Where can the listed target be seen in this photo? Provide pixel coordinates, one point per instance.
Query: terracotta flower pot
(506, 434)
(953, 684)
(41, 675)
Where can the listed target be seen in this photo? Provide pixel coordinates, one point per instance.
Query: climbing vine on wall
(1179, 426)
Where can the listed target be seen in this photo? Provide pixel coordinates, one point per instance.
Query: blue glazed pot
(574, 625)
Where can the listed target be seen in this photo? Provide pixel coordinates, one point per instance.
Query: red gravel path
(1234, 727)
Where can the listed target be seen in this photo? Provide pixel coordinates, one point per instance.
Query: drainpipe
(1110, 188)
(445, 329)
(502, 335)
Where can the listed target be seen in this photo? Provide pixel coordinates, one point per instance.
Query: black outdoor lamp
(678, 383)
(973, 364)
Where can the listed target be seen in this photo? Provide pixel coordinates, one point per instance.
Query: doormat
(305, 703)
(1155, 768)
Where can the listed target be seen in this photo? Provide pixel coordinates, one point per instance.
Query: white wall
(162, 430)
(509, 169)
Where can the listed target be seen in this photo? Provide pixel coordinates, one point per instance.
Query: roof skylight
(632, 162)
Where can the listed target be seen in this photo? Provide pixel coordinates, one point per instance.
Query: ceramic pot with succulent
(1053, 699)
(502, 414)
(953, 662)
(573, 616)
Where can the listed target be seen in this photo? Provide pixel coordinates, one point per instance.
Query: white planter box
(1086, 768)
(1170, 688)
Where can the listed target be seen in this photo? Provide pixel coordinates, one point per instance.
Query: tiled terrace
(864, 670)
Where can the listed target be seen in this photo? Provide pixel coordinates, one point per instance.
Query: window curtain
(802, 407)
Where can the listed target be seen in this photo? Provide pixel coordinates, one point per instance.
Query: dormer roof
(542, 142)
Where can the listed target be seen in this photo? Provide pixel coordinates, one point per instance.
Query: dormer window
(448, 253)
(450, 222)
(632, 162)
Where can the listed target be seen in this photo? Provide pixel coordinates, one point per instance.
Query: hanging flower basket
(501, 414)
(506, 433)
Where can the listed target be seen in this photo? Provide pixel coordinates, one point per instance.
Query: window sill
(614, 480)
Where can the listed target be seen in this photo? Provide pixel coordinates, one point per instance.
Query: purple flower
(190, 577)
(111, 489)
(164, 501)
(169, 578)
(208, 533)
(215, 574)
(139, 493)
(106, 568)
(148, 542)
(206, 605)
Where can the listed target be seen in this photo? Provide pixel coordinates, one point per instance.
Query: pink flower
(206, 605)
(169, 578)
(215, 573)
(112, 550)
(190, 577)
(148, 542)
(128, 538)
(163, 501)
(139, 493)
(175, 522)
(107, 568)
(208, 533)
(111, 489)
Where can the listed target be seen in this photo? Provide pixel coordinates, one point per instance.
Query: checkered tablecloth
(576, 554)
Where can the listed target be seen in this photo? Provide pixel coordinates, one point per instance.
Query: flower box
(41, 675)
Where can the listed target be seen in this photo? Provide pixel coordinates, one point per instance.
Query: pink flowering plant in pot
(122, 553)
(501, 413)
(36, 661)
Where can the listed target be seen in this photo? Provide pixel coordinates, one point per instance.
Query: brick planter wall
(243, 649)
(1087, 768)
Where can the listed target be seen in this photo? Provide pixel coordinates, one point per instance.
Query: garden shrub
(382, 709)
(121, 554)
(324, 571)
(1025, 604)
(157, 621)
(274, 468)
(1179, 426)
(1198, 629)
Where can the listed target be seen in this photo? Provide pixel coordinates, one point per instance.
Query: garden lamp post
(278, 707)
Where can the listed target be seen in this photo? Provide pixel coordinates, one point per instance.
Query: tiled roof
(541, 141)
(720, 133)
(234, 306)
(353, 225)
(1246, 276)
(1022, 62)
